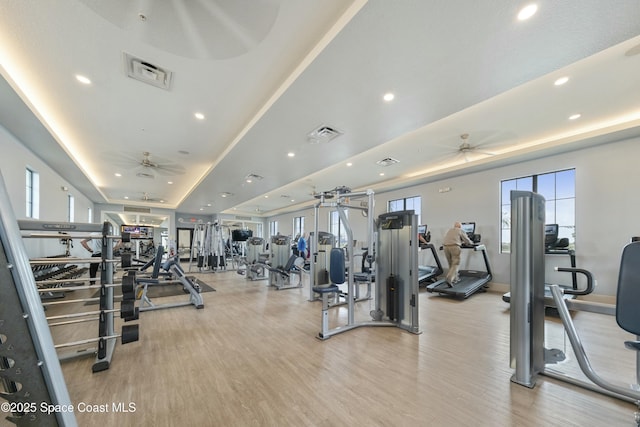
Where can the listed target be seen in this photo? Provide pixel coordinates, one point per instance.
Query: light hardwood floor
(250, 358)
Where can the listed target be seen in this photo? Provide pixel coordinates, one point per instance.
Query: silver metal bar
(83, 314)
(62, 236)
(87, 341)
(591, 306)
(350, 284)
(36, 225)
(54, 281)
(313, 251)
(77, 288)
(70, 260)
(579, 352)
(70, 322)
(561, 376)
(70, 301)
(32, 307)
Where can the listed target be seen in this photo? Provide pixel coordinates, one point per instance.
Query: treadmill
(555, 246)
(471, 281)
(428, 274)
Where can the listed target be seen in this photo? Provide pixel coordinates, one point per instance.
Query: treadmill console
(551, 241)
(470, 229)
(426, 235)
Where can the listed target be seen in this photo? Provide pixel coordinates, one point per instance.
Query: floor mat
(159, 291)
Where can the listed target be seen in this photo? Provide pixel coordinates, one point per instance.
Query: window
(406, 204)
(33, 194)
(298, 226)
(273, 228)
(558, 190)
(71, 207)
(336, 227)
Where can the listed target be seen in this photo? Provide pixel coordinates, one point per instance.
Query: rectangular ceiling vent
(323, 134)
(387, 161)
(146, 72)
(137, 209)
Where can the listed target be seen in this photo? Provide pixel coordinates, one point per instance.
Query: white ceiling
(265, 73)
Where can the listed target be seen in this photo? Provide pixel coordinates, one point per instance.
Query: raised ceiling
(265, 74)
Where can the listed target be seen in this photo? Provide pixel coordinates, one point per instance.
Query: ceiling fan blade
(120, 160)
(168, 170)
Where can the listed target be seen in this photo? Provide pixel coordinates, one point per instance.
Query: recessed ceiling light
(561, 81)
(388, 96)
(169, 182)
(199, 116)
(381, 173)
(161, 200)
(291, 154)
(118, 174)
(208, 204)
(249, 180)
(349, 164)
(575, 116)
(266, 197)
(201, 209)
(126, 197)
(292, 200)
(527, 12)
(82, 79)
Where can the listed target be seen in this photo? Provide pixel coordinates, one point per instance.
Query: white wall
(606, 204)
(53, 200)
(606, 209)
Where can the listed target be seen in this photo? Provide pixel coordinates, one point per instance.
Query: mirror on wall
(147, 231)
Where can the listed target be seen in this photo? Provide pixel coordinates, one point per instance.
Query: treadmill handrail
(578, 349)
(586, 273)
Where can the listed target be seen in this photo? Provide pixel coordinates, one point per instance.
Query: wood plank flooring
(250, 358)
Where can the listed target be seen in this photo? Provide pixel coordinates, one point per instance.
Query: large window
(336, 227)
(33, 194)
(273, 228)
(71, 206)
(406, 204)
(298, 226)
(558, 190)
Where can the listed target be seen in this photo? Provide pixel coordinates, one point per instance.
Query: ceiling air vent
(145, 175)
(137, 209)
(146, 72)
(323, 134)
(387, 161)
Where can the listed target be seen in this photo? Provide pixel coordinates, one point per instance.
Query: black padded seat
(326, 289)
(628, 294)
(287, 268)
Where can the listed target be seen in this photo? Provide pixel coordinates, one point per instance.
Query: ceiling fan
(146, 197)
(147, 166)
(468, 151)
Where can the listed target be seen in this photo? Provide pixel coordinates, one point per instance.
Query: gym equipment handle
(587, 274)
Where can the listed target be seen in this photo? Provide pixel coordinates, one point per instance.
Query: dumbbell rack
(31, 372)
(106, 335)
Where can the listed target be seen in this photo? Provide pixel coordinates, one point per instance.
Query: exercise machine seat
(287, 268)
(337, 267)
(628, 294)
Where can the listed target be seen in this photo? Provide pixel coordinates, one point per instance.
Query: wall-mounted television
(137, 231)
